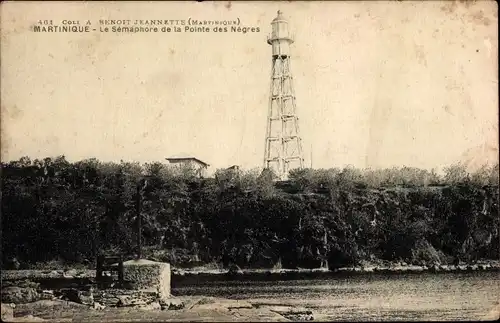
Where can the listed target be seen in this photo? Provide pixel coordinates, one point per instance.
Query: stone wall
(147, 284)
(125, 298)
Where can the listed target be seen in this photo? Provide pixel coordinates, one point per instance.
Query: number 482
(45, 22)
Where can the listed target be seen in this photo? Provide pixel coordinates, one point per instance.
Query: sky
(378, 84)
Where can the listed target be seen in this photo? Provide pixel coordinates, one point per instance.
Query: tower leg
(283, 149)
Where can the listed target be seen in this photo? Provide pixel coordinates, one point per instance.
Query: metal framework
(283, 146)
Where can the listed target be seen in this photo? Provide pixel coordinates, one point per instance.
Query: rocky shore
(194, 308)
(27, 295)
(400, 267)
(65, 296)
(388, 268)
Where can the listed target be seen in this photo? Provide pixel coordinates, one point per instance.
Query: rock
(484, 266)
(70, 273)
(69, 294)
(259, 314)
(49, 309)
(211, 303)
(155, 306)
(78, 296)
(124, 297)
(31, 308)
(19, 295)
(126, 300)
(300, 317)
(86, 297)
(175, 304)
(47, 294)
(235, 304)
(293, 313)
(110, 301)
(172, 304)
(25, 283)
(397, 268)
(98, 306)
(28, 318)
(7, 312)
(234, 270)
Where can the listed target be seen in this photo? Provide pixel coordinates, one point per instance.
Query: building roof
(185, 158)
(279, 17)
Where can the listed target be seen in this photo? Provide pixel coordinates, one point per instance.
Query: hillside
(67, 213)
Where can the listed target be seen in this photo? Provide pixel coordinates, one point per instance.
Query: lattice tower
(283, 147)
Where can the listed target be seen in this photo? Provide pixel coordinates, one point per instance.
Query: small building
(199, 166)
(235, 168)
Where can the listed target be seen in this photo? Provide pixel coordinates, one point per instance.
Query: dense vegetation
(56, 210)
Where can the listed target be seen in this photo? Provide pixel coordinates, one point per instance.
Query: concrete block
(148, 276)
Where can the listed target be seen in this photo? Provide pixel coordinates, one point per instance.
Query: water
(425, 296)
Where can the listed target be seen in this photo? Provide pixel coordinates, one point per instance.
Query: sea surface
(369, 297)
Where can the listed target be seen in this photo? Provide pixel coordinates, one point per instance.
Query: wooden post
(120, 269)
(99, 268)
(139, 222)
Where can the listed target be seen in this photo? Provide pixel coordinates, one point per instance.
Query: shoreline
(180, 273)
(49, 306)
(196, 308)
(181, 276)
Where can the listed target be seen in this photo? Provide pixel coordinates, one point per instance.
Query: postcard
(246, 160)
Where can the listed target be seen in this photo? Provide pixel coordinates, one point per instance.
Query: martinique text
(58, 29)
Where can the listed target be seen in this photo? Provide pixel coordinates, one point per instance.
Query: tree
(456, 174)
